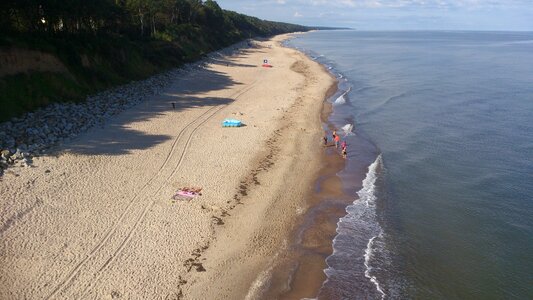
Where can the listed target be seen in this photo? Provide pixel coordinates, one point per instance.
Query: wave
(364, 88)
(398, 96)
(512, 43)
(342, 98)
(263, 280)
(357, 246)
(368, 256)
(348, 128)
(378, 105)
(368, 194)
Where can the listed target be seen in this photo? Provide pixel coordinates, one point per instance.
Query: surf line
(368, 256)
(367, 193)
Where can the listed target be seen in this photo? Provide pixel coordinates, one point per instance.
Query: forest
(164, 19)
(104, 43)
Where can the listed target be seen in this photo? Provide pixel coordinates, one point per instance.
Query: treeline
(164, 19)
(103, 43)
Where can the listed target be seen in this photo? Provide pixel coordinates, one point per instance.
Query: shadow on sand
(228, 63)
(116, 137)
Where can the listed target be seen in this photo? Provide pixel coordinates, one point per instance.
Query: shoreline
(258, 268)
(300, 274)
(115, 181)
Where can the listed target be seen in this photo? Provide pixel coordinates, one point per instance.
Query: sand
(96, 220)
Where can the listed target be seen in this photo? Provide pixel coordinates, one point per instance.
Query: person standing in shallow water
(337, 139)
(344, 152)
(325, 138)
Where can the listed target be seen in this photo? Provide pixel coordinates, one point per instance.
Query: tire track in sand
(147, 208)
(91, 268)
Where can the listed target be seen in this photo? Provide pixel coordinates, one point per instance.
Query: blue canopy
(231, 123)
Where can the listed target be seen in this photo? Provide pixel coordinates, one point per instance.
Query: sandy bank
(97, 220)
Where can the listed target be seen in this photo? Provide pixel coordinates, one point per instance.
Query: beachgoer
(337, 139)
(344, 152)
(334, 134)
(343, 144)
(325, 139)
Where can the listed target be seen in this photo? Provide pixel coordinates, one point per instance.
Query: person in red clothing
(337, 140)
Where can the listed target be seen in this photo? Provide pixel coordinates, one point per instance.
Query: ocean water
(440, 126)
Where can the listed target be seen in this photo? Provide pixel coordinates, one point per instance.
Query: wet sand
(300, 273)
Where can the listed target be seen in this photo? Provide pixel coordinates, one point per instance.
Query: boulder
(5, 153)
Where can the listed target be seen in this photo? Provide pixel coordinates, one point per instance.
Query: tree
(139, 9)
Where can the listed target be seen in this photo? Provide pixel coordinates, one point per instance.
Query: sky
(393, 14)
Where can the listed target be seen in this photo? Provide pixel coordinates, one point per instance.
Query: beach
(96, 219)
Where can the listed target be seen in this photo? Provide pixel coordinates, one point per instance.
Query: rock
(23, 162)
(17, 154)
(5, 153)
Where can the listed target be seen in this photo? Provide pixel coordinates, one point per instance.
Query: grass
(26, 92)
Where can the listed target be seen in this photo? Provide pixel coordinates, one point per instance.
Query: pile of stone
(32, 134)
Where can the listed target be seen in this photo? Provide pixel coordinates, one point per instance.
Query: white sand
(101, 224)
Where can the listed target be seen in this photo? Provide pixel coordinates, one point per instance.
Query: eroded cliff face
(17, 60)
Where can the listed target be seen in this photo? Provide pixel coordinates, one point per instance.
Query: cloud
(409, 3)
(393, 14)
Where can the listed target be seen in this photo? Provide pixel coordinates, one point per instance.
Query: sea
(439, 126)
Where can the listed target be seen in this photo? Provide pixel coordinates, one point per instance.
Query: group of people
(336, 138)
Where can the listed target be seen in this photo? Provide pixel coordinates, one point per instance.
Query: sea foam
(368, 194)
(357, 231)
(348, 128)
(342, 98)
